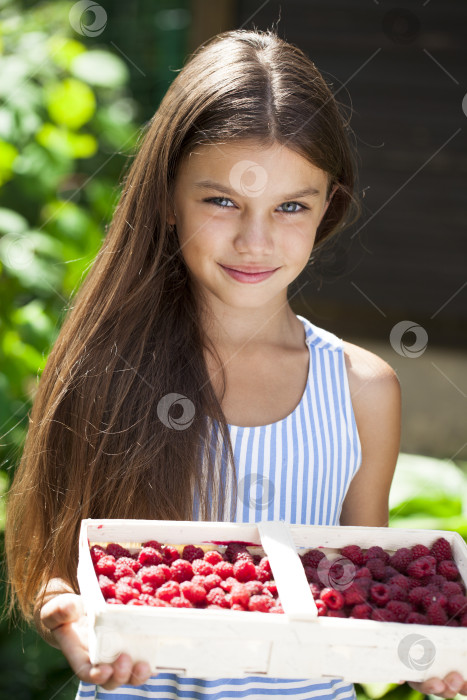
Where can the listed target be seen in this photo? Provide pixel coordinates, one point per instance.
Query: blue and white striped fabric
(297, 470)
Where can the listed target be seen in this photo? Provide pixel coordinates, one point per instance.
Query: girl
(182, 385)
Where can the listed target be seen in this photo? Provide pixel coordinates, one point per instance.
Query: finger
(432, 686)
(122, 669)
(454, 683)
(63, 609)
(140, 674)
(78, 658)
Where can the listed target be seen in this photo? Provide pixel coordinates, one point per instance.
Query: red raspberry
(212, 581)
(201, 567)
(389, 573)
(168, 590)
(401, 581)
(436, 614)
(124, 593)
(149, 556)
(213, 557)
(262, 575)
(400, 609)
(131, 581)
(419, 550)
(254, 587)
(180, 602)
(457, 604)
(401, 559)
(313, 557)
(260, 603)
(193, 592)
(396, 592)
(237, 606)
(113, 601)
(170, 554)
(234, 549)
(117, 550)
(136, 601)
(257, 559)
(158, 603)
(228, 583)
(362, 611)
(224, 569)
(239, 595)
(452, 623)
(336, 613)
(364, 583)
(377, 552)
(321, 607)
(216, 596)
(383, 615)
(451, 588)
(463, 620)
(353, 595)
(147, 599)
(96, 553)
(265, 565)
(277, 608)
(415, 618)
(148, 589)
(432, 597)
(424, 566)
(437, 580)
(154, 544)
(312, 575)
(122, 569)
(271, 587)
(107, 586)
(153, 575)
(105, 566)
(181, 570)
(191, 552)
(333, 599)
(417, 595)
(353, 553)
(376, 567)
(315, 590)
(448, 569)
(364, 572)
(244, 570)
(441, 549)
(379, 593)
(198, 579)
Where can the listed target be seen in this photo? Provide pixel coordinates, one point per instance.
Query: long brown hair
(98, 444)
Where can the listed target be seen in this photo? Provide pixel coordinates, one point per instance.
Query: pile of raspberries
(157, 575)
(419, 585)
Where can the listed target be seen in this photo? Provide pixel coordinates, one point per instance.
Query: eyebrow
(210, 184)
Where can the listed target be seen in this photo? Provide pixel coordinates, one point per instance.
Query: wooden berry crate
(297, 644)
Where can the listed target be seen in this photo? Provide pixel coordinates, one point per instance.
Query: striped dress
(298, 470)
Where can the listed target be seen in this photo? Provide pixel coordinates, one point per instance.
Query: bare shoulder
(365, 367)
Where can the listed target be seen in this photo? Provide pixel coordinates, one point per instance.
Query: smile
(249, 278)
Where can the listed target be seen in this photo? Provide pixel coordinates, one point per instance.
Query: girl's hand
(447, 687)
(64, 616)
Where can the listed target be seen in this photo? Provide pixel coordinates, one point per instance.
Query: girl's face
(242, 206)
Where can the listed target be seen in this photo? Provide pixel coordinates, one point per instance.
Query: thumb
(63, 609)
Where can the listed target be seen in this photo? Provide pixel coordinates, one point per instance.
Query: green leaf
(100, 68)
(8, 155)
(66, 142)
(71, 103)
(11, 222)
(64, 51)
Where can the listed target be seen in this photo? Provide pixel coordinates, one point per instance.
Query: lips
(249, 277)
(250, 270)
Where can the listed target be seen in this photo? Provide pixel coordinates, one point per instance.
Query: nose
(254, 235)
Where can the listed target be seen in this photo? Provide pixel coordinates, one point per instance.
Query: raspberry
(401, 581)
(419, 550)
(216, 596)
(193, 592)
(436, 614)
(153, 543)
(131, 581)
(168, 590)
(135, 601)
(336, 613)
(148, 589)
(181, 570)
(389, 573)
(158, 603)
(234, 549)
(271, 587)
(124, 593)
(315, 590)
(213, 557)
(400, 609)
(451, 588)
(190, 553)
(105, 566)
(321, 607)
(117, 550)
(122, 569)
(244, 570)
(448, 569)
(415, 618)
(463, 620)
(228, 583)
(149, 556)
(153, 575)
(147, 599)
(441, 549)
(377, 553)
(379, 593)
(396, 592)
(376, 567)
(260, 603)
(254, 587)
(401, 559)
(202, 567)
(452, 623)
(383, 615)
(313, 557)
(364, 583)
(353, 595)
(180, 602)
(237, 606)
(239, 595)
(431, 597)
(277, 609)
(265, 565)
(112, 601)
(262, 575)
(212, 581)
(457, 604)
(333, 599)
(353, 553)
(96, 553)
(364, 572)
(224, 569)
(312, 575)
(107, 586)
(417, 595)
(362, 611)
(170, 554)
(424, 566)
(437, 580)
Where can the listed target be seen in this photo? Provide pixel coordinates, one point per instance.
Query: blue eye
(215, 201)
